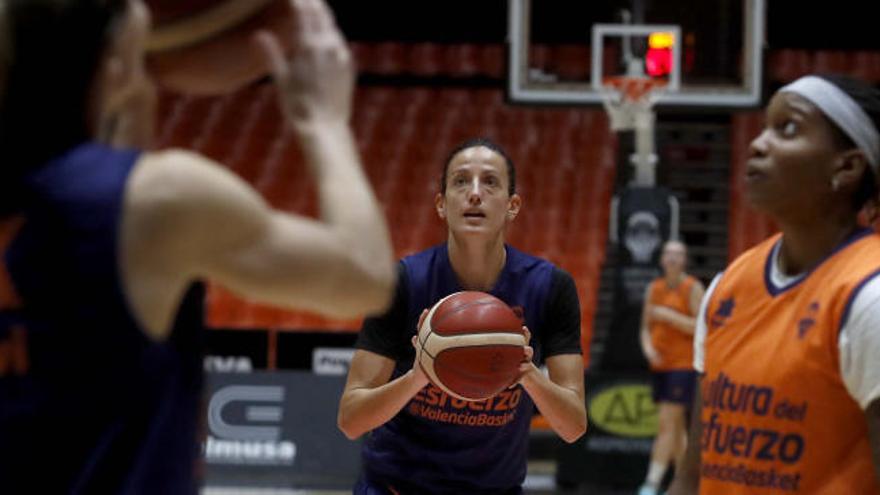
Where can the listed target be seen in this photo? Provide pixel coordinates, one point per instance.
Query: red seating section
(567, 61)
(787, 64)
(430, 59)
(565, 169)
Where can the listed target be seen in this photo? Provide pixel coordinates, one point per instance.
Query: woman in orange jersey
(788, 336)
(668, 319)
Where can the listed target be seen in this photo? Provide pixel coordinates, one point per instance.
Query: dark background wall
(845, 24)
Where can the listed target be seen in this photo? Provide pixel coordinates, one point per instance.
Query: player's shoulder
(536, 272)
(562, 284)
(693, 283)
(424, 256)
(185, 199)
(863, 246)
(852, 263)
(521, 261)
(753, 258)
(418, 268)
(423, 261)
(178, 181)
(758, 250)
(162, 182)
(175, 169)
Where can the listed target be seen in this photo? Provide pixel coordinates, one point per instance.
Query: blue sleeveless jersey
(88, 404)
(439, 444)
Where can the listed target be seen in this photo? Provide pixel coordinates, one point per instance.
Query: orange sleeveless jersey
(676, 348)
(776, 415)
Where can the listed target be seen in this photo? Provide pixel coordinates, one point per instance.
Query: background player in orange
(103, 247)
(788, 336)
(668, 319)
(422, 441)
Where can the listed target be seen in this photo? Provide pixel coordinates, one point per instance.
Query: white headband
(843, 111)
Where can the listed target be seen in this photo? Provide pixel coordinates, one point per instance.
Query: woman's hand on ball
(526, 365)
(419, 375)
(528, 352)
(421, 319)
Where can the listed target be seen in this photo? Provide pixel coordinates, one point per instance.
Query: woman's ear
(849, 167)
(513, 206)
(440, 205)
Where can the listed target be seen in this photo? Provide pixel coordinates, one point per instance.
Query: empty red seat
(424, 59)
(390, 58)
(571, 62)
(491, 58)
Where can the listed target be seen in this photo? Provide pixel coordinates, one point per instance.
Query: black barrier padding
(295, 348)
(251, 344)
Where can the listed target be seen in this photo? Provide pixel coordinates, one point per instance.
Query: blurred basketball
(205, 47)
(472, 345)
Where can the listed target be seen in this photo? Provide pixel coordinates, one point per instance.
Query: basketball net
(629, 100)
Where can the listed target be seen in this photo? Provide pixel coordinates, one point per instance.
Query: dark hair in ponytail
(51, 51)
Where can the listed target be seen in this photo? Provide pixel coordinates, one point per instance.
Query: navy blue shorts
(675, 386)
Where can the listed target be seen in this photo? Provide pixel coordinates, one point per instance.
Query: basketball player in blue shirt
(102, 247)
(422, 441)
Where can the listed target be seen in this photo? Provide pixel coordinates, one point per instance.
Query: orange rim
(633, 88)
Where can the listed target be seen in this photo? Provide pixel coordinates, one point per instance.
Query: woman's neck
(803, 245)
(674, 278)
(476, 263)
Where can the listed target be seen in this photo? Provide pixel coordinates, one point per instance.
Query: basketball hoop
(628, 99)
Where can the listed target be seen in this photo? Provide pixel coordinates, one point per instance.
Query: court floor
(539, 481)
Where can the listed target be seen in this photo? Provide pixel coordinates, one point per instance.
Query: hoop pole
(645, 157)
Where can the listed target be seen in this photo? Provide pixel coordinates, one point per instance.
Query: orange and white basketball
(471, 345)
